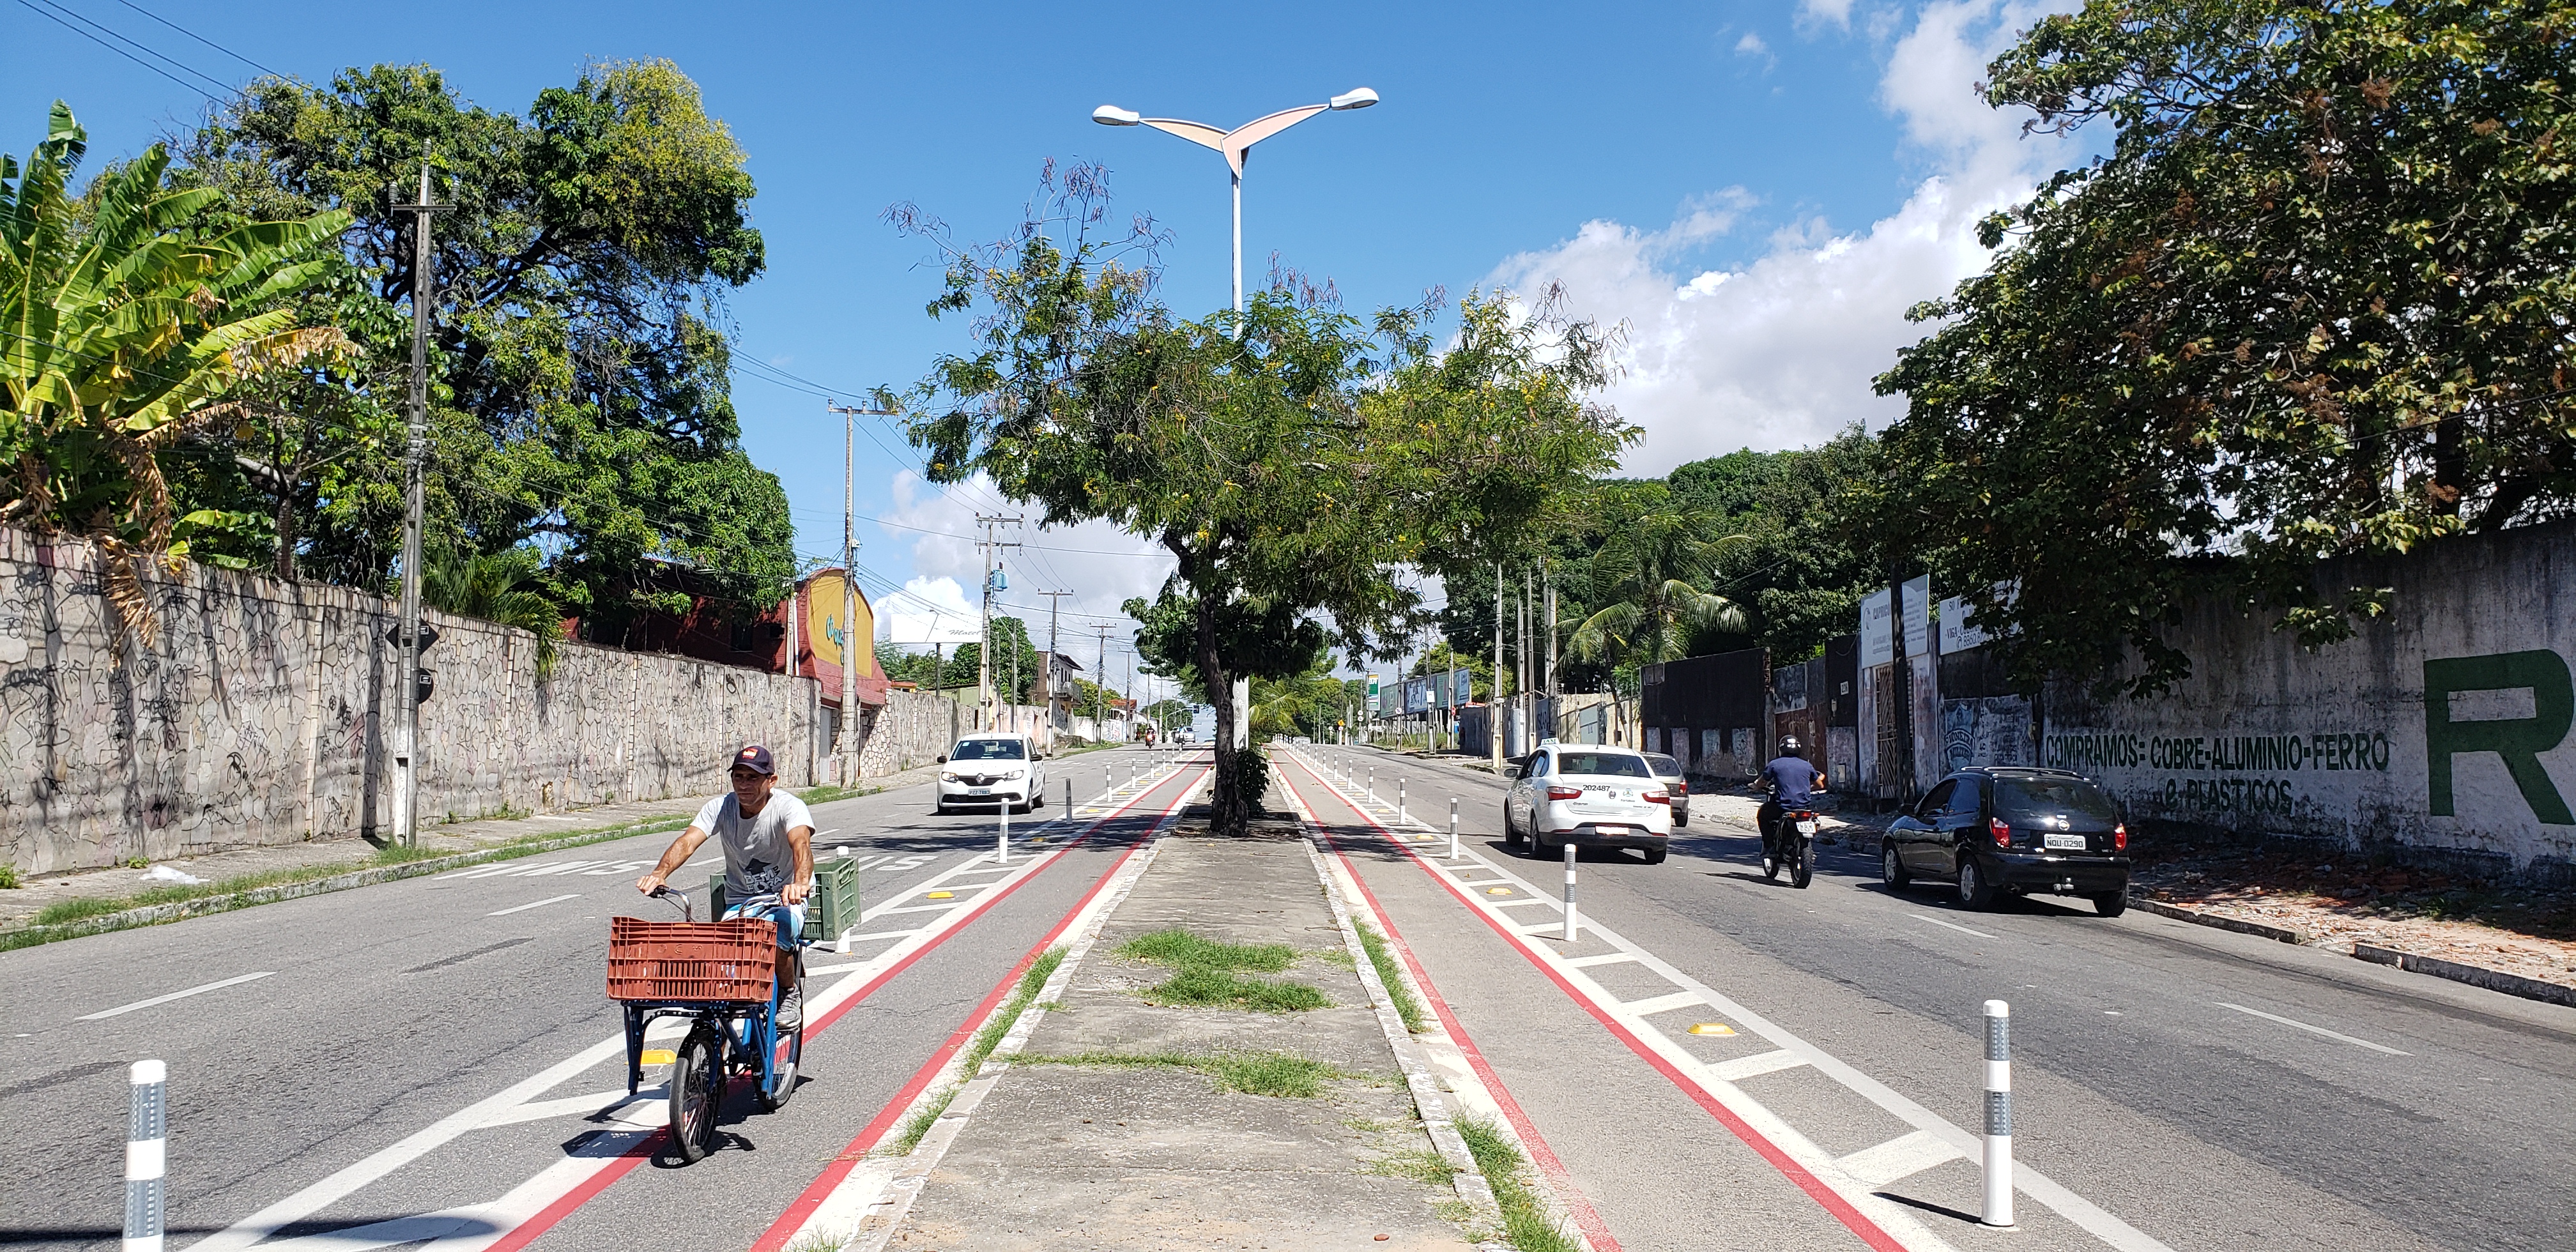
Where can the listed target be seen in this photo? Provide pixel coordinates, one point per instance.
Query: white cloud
(1100, 564)
(1820, 12)
(1751, 45)
(1780, 352)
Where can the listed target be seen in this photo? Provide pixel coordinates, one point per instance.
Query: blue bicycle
(722, 975)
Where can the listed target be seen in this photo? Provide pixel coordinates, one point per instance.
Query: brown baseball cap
(756, 759)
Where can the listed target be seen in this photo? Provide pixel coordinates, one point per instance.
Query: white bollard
(1573, 928)
(1002, 840)
(146, 1156)
(1453, 828)
(1400, 818)
(1998, 1210)
(1372, 782)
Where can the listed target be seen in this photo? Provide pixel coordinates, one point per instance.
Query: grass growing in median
(1277, 1074)
(1204, 973)
(1525, 1221)
(980, 1049)
(1406, 1006)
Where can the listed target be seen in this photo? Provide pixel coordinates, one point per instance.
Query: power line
(202, 39)
(211, 98)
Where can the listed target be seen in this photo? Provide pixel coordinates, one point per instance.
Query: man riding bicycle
(768, 841)
(1793, 783)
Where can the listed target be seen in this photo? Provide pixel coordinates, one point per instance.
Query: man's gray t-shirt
(758, 858)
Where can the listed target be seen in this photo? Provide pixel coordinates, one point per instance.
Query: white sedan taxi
(1590, 796)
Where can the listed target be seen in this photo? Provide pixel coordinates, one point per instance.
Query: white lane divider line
(1901, 1157)
(1606, 958)
(2094, 1219)
(1755, 1066)
(1664, 1004)
(1505, 904)
(123, 1009)
(1952, 925)
(2314, 1030)
(536, 905)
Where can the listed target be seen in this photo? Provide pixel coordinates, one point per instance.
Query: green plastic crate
(833, 908)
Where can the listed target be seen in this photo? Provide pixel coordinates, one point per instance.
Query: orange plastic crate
(733, 961)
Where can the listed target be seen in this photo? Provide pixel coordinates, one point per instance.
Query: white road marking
(587, 1106)
(2314, 1030)
(175, 995)
(1904, 1155)
(1755, 1066)
(1952, 925)
(537, 905)
(1606, 958)
(1663, 1004)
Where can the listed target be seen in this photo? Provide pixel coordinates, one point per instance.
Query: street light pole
(1236, 146)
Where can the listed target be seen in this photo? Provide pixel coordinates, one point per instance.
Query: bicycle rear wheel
(697, 1094)
(782, 1062)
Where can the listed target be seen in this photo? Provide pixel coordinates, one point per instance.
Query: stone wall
(257, 716)
(912, 729)
(2440, 732)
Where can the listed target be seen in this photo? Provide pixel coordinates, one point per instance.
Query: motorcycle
(1789, 840)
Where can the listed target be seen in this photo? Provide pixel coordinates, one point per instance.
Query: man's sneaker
(791, 1008)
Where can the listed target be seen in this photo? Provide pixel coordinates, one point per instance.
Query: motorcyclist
(1792, 783)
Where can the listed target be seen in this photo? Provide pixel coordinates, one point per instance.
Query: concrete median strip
(1108, 1111)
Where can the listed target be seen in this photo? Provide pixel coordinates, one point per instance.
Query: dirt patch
(2339, 901)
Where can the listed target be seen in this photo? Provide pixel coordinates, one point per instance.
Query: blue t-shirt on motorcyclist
(1792, 780)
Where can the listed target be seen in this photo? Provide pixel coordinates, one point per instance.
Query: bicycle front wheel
(697, 1092)
(783, 1057)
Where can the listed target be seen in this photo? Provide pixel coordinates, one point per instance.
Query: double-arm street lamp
(1236, 144)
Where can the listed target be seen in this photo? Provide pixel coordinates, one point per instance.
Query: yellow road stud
(941, 895)
(1711, 1028)
(659, 1056)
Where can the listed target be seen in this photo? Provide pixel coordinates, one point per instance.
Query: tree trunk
(1226, 813)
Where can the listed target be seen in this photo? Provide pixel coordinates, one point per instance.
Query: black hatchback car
(1993, 829)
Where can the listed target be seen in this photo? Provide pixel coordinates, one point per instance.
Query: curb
(182, 910)
(2262, 930)
(2474, 975)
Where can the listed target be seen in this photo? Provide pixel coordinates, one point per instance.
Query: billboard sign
(921, 630)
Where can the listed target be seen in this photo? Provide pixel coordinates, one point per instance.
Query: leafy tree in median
(580, 375)
(2314, 300)
(122, 329)
(1294, 461)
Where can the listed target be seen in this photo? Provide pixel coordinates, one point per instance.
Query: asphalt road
(426, 1063)
(2197, 1089)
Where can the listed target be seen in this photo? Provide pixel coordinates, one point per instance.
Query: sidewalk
(1213, 1074)
(103, 890)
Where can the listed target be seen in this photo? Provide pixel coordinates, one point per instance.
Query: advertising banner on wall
(1877, 647)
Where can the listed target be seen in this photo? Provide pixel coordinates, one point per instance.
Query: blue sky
(1757, 190)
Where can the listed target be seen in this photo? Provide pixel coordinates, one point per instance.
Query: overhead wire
(59, 20)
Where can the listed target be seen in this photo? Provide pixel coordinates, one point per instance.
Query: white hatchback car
(1589, 796)
(994, 769)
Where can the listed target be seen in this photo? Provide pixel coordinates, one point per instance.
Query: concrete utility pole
(1046, 683)
(1526, 669)
(845, 743)
(1494, 698)
(1552, 692)
(1100, 687)
(984, 719)
(415, 456)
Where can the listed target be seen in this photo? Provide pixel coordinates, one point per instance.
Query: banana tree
(1654, 543)
(121, 329)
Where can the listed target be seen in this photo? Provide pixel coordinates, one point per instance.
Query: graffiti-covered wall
(256, 716)
(2441, 729)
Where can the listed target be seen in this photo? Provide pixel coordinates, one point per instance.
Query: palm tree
(120, 330)
(1654, 544)
(495, 586)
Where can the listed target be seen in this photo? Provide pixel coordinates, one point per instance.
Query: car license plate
(980, 791)
(2066, 843)
(1806, 828)
(1611, 830)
